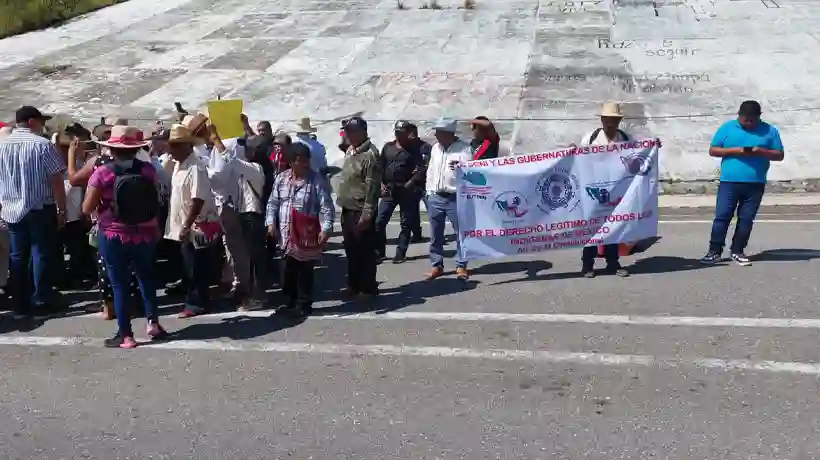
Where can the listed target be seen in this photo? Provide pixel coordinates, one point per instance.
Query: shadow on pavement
(531, 267)
(665, 264)
(786, 255)
(237, 328)
(415, 293)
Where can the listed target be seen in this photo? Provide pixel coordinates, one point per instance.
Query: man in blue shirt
(747, 146)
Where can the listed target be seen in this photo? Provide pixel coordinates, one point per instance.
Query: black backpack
(136, 198)
(598, 131)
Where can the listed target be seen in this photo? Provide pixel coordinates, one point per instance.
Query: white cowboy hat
(611, 109)
(125, 137)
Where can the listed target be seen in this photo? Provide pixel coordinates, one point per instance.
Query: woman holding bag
(300, 216)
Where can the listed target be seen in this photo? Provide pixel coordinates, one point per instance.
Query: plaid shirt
(311, 196)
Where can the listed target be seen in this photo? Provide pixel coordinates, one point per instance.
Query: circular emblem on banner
(512, 205)
(558, 189)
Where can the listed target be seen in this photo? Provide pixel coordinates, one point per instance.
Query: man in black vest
(403, 165)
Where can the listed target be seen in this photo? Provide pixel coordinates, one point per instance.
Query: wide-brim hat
(125, 137)
(611, 109)
(305, 126)
(180, 134)
(195, 122)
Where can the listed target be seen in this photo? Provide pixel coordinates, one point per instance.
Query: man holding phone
(746, 147)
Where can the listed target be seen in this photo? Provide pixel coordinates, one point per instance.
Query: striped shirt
(26, 163)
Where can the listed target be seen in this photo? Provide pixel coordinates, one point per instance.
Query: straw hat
(612, 109)
(180, 134)
(305, 126)
(125, 137)
(194, 122)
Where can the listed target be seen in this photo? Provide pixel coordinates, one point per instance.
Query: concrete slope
(541, 68)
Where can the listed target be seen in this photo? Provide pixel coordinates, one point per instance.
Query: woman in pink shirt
(125, 196)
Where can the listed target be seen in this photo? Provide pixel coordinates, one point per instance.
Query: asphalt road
(526, 361)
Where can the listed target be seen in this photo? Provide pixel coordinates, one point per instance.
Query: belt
(448, 195)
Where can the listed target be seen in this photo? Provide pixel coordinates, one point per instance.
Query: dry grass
(18, 16)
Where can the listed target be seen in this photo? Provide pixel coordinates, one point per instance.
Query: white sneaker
(741, 259)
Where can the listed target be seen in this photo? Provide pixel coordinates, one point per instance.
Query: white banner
(573, 197)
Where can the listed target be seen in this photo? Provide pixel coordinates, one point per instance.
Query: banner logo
(558, 190)
(512, 205)
(637, 164)
(475, 186)
(603, 196)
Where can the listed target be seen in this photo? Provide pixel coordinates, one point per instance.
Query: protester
(746, 147)
(280, 152)
(318, 154)
(33, 204)
(448, 152)
(192, 218)
(358, 196)
(125, 196)
(486, 141)
(421, 188)
(402, 166)
(608, 133)
(73, 237)
(300, 216)
(237, 184)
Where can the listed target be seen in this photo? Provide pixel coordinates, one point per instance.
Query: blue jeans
(119, 259)
(34, 239)
(440, 209)
(743, 197)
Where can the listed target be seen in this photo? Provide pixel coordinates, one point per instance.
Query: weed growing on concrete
(469, 4)
(400, 4)
(434, 5)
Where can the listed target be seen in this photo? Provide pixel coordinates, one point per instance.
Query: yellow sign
(226, 115)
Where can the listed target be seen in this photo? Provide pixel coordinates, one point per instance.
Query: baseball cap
(446, 124)
(401, 126)
(356, 124)
(27, 112)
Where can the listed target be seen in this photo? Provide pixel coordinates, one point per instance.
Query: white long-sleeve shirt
(440, 178)
(236, 182)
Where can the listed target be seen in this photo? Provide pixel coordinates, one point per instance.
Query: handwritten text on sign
(572, 197)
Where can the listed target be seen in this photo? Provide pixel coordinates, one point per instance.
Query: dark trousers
(360, 250)
(34, 239)
(408, 203)
(198, 272)
(253, 232)
(297, 282)
(611, 256)
(74, 239)
(743, 197)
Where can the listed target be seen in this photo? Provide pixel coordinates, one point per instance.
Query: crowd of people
(103, 205)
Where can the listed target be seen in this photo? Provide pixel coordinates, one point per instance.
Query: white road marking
(538, 356)
(690, 321)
